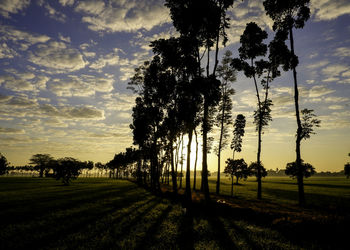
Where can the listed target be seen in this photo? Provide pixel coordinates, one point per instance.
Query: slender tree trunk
(41, 173)
(300, 176)
(188, 169)
(220, 147)
(182, 160)
(195, 162)
(173, 175)
(259, 136)
(205, 184)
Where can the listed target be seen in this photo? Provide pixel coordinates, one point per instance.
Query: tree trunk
(299, 129)
(205, 185)
(188, 169)
(195, 162)
(220, 144)
(182, 160)
(259, 136)
(41, 173)
(173, 175)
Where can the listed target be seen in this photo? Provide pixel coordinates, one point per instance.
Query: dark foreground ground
(117, 214)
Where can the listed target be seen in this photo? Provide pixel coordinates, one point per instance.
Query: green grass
(117, 214)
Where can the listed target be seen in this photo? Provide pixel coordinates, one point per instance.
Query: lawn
(101, 213)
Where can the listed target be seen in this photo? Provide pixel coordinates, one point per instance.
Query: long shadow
(149, 239)
(125, 228)
(243, 234)
(224, 239)
(19, 212)
(186, 237)
(107, 224)
(47, 225)
(47, 234)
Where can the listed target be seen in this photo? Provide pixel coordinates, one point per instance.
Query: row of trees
(181, 88)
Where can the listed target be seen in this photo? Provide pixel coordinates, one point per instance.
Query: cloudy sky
(65, 65)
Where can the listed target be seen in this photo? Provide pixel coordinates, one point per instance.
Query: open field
(117, 214)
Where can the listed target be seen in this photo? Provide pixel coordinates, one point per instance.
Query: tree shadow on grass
(186, 236)
(150, 237)
(39, 232)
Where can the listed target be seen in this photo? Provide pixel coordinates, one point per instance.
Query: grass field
(117, 214)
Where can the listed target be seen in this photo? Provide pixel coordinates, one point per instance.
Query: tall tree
(238, 133)
(204, 22)
(252, 46)
(287, 15)
(224, 115)
(41, 162)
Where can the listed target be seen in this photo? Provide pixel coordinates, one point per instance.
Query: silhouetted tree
(224, 115)
(289, 14)
(252, 46)
(308, 122)
(238, 133)
(238, 168)
(67, 169)
(347, 170)
(253, 169)
(41, 163)
(3, 164)
(203, 23)
(293, 170)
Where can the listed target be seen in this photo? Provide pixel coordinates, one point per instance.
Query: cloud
(6, 52)
(22, 39)
(84, 85)
(110, 59)
(334, 70)
(8, 7)
(335, 107)
(69, 112)
(329, 9)
(15, 84)
(320, 90)
(11, 131)
(121, 15)
(57, 56)
(54, 14)
(66, 2)
(342, 52)
(4, 98)
(318, 64)
(64, 39)
(18, 101)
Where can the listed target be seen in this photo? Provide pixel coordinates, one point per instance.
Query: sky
(65, 65)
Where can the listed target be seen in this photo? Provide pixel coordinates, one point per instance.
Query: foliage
(67, 169)
(238, 133)
(253, 169)
(3, 164)
(237, 168)
(41, 163)
(287, 14)
(347, 170)
(293, 170)
(308, 121)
